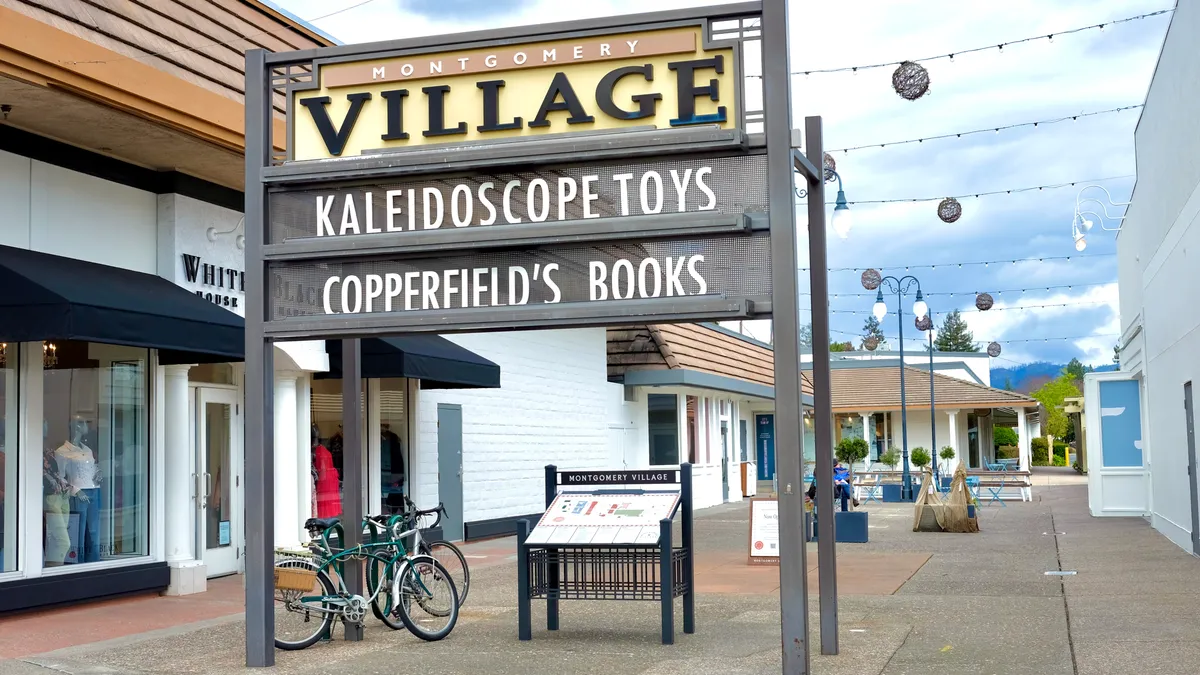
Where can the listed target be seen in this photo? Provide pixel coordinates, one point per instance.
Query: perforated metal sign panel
(728, 266)
(722, 184)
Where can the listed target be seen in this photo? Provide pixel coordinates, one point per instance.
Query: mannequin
(78, 466)
(329, 500)
(56, 509)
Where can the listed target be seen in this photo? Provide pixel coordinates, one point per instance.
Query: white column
(1023, 439)
(304, 447)
(866, 420)
(953, 414)
(180, 468)
(287, 478)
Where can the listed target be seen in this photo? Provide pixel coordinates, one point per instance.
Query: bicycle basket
(295, 579)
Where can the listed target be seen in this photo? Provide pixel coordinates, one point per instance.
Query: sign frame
(752, 559)
(267, 165)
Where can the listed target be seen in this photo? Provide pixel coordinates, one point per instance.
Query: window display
(393, 446)
(8, 457)
(95, 455)
(663, 417)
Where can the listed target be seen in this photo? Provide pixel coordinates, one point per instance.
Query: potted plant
(947, 454)
(891, 491)
(850, 451)
(891, 457)
(920, 457)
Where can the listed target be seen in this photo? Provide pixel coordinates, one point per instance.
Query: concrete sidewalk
(909, 603)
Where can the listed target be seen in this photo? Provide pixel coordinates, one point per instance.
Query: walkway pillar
(287, 477)
(953, 415)
(188, 575)
(1023, 439)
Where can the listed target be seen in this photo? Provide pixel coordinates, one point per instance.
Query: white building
(971, 366)
(1141, 421)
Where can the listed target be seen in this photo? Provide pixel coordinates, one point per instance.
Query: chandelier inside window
(49, 355)
(3, 354)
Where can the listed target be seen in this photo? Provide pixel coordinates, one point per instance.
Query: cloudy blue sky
(1079, 73)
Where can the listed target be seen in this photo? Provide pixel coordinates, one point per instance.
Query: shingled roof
(878, 389)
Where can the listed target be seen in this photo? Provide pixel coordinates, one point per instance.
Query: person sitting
(841, 484)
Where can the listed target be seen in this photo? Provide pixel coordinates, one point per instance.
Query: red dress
(329, 499)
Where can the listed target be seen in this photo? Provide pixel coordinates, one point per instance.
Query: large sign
(764, 532)
(604, 518)
(660, 78)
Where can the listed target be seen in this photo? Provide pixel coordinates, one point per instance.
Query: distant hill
(1028, 377)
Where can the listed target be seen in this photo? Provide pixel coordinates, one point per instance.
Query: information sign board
(604, 518)
(764, 532)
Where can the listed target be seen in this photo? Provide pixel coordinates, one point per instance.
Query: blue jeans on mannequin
(87, 504)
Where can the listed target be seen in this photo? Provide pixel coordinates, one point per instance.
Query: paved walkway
(909, 603)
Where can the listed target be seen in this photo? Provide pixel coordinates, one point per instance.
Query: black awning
(49, 297)
(437, 362)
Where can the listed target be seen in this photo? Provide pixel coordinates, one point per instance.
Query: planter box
(891, 492)
(851, 527)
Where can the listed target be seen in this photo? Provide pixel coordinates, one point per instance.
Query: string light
(974, 293)
(999, 47)
(1008, 191)
(994, 309)
(985, 263)
(997, 130)
(983, 342)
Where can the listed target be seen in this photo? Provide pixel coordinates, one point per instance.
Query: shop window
(96, 458)
(664, 428)
(393, 443)
(9, 455)
(211, 373)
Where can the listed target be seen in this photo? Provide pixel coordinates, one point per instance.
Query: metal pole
(822, 390)
(352, 470)
(906, 490)
(932, 415)
(260, 377)
(793, 565)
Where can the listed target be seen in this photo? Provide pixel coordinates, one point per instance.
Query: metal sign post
(594, 173)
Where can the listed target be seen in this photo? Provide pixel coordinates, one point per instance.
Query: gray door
(724, 461)
(1188, 411)
(450, 486)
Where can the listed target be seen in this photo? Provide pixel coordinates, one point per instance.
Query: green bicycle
(310, 588)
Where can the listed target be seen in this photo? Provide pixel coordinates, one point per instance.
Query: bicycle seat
(321, 523)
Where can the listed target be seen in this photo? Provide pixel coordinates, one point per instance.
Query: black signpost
(657, 571)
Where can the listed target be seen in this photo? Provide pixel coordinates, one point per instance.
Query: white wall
(54, 210)
(551, 408)
(919, 436)
(628, 428)
(977, 364)
(1161, 227)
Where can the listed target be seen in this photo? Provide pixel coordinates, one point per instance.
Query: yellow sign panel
(662, 78)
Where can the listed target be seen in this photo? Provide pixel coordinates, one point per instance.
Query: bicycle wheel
(295, 610)
(428, 601)
(452, 559)
(382, 606)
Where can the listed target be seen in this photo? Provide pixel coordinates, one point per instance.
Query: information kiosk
(603, 537)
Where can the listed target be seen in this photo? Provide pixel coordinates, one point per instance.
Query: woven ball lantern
(983, 302)
(871, 343)
(830, 166)
(949, 210)
(994, 349)
(924, 323)
(911, 80)
(871, 279)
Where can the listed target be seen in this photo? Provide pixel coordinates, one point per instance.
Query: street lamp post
(927, 323)
(901, 287)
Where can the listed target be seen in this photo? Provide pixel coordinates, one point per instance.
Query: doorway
(724, 461)
(450, 481)
(1189, 412)
(218, 479)
(765, 445)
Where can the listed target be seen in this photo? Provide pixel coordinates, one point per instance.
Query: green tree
(1076, 370)
(1004, 436)
(1051, 395)
(920, 457)
(891, 457)
(850, 451)
(1008, 384)
(806, 335)
(947, 454)
(841, 346)
(954, 336)
(1117, 353)
(871, 329)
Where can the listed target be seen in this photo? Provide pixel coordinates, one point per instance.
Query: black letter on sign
(335, 139)
(191, 267)
(395, 114)
(688, 91)
(646, 102)
(491, 108)
(570, 103)
(437, 112)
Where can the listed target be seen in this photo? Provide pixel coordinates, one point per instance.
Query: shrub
(1007, 452)
(891, 457)
(1059, 460)
(1041, 455)
(852, 450)
(920, 457)
(947, 453)
(1004, 435)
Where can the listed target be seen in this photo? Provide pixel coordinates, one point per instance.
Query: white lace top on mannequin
(77, 465)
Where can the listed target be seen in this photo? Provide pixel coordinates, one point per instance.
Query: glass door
(218, 479)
